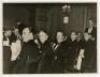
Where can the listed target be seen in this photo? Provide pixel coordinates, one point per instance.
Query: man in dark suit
(60, 50)
(71, 53)
(29, 56)
(46, 52)
(89, 60)
(93, 32)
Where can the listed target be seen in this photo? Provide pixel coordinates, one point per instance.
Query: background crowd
(27, 51)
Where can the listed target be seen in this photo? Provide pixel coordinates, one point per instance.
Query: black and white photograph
(49, 38)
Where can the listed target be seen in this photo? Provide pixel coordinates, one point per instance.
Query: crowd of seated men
(27, 52)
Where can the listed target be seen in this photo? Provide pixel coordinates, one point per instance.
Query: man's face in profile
(73, 36)
(8, 33)
(60, 37)
(25, 34)
(86, 36)
(43, 37)
(91, 24)
(16, 31)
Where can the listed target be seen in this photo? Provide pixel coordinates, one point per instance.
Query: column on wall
(41, 18)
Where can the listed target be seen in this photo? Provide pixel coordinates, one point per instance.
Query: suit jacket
(72, 54)
(45, 64)
(89, 61)
(28, 56)
(59, 57)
